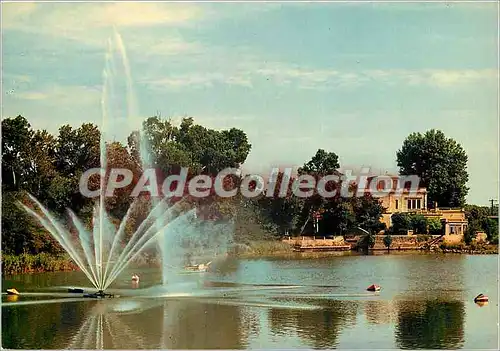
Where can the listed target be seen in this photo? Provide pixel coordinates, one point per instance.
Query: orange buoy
(374, 287)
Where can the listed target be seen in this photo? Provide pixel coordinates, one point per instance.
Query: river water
(426, 302)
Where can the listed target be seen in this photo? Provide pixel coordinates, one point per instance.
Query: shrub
(423, 238)
(435, 226)
(419, 224)
(401, 222)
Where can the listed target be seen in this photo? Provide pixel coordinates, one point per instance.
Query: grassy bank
(473, 248)
(41, 262)
(262, 248)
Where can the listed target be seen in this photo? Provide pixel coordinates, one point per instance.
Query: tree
(281, 211)
(441, 164)
(322, 163)
(366, 242)
(189, 145)
(387, 241)
(435, 226)
(401, 222)
(490, 226)
(478, 218)
(470, 232)
(418, 223)
(368, 211)
(16, 138)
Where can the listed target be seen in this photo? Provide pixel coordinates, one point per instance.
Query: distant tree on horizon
(441, 164)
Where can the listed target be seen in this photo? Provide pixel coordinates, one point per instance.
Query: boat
(12, 292)
(198, 268)
(481, 298)
(99, 295)
(75, 291)
(374, 287)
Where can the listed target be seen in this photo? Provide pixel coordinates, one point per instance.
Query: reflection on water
(317, 328)
(430, 325)
(435, 312)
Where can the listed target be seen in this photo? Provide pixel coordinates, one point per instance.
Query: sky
(355, 79)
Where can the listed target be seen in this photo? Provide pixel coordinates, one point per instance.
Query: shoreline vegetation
(43, 262)
(49, 168)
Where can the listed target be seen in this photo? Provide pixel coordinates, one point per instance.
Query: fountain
(98, 253)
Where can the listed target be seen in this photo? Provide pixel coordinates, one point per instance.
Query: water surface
(426, 302)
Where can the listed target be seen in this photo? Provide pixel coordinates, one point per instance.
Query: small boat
(198, 268)
(374, 287)
(99, 295)
(135, 278)
(481, 298)
(75, 291)
(12, 292)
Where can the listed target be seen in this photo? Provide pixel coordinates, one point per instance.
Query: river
(426, 302)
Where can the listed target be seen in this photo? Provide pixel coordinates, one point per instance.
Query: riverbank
(39, 263)
(44, 262)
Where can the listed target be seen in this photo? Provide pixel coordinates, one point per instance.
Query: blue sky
(354, 79)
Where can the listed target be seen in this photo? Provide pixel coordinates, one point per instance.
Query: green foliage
(435, 226)
(322, 163)
(42, 262)
(366, 241)
(190, 145)
(423, 238)
(401, 222)
(50, 168)
(387, 241)
(441, 164)
(478, 219)
(418, 224)
(490, 226)
(470, 232)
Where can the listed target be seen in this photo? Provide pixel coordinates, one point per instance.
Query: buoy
(479, 303)
(135, 278)
(12, 292)
(374, 287)
(481, 298)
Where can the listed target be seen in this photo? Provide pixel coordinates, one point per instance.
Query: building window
(397, 204)
(414, 204)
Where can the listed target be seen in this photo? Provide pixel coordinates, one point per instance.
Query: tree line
(50, 166)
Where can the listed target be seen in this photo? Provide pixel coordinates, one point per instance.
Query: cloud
(196, 81)
(90, 16)
(300, 77)
(69, 96)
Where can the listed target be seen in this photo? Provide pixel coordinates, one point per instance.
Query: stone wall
(402, 242)
(305, 241)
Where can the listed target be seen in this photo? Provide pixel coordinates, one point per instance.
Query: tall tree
(441, 164)
(322, 163)
(16, 138)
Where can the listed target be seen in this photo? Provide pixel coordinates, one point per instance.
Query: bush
(419, 224)
(401, 222)
(387, 241)
(268, 247)
(42, 262)
(423, 238)
(435, 226)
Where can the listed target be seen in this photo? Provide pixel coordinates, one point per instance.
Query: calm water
(426, 302)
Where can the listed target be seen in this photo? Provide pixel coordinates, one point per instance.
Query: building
(402, 199)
